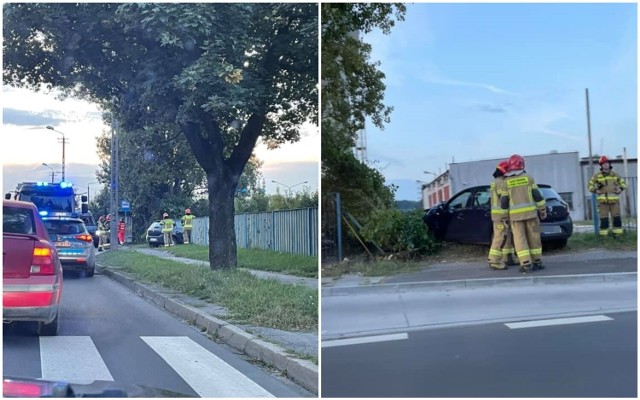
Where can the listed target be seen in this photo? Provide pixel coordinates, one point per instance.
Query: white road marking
(558, 321)
(73, 359)
(208, 375)
(366, 339)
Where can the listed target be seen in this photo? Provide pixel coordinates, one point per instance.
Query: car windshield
(64, 227)
(18, 220)
(49, 202)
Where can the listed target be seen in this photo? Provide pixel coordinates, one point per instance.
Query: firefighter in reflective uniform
(501, 252)
(608, 185)
(187, 224)
(167, 228)
(107, 234)
(102, 233)
(523, 199)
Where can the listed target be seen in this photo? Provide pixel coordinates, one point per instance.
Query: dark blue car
(466, 217)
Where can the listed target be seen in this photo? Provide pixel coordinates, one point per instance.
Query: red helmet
(165, 215)
(503, 167)
(187, 211)
(516, 161)
(108, 217)
(603, 160)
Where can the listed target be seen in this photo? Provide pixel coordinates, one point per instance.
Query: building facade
(566, 173)
(436, 191)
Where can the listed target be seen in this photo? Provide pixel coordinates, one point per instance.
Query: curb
(303, 372)
(479, 283)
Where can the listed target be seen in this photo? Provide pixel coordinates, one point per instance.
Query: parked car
(92, 227)
(32, 271)
(74, 243)
(155, 237)
(466, 217)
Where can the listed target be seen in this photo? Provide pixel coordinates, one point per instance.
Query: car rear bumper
(556, 230)
(31, 302)
(30, 314)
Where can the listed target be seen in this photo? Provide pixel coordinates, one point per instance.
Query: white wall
(560, 170)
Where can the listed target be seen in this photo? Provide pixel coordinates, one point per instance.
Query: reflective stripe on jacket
(608, 184)
(519, 192)
(497, 189)
(167, 225)
(187, 221)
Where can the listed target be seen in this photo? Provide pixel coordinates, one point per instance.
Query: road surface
(108, 333)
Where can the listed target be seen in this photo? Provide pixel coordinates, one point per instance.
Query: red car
(32, 272)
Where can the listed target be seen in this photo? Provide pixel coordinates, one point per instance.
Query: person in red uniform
(121, 229)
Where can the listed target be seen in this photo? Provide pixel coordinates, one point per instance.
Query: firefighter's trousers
(603, 212)
(526, 239)
(167, 238)
(498, 252)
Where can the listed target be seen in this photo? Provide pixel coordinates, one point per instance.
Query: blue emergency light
(44, 213)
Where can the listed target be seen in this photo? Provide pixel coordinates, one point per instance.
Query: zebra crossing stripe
(73, 359)
(207, 374)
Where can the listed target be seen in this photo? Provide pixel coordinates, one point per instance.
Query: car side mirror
(7, 196)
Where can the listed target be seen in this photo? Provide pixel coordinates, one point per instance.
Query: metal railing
(287, 231)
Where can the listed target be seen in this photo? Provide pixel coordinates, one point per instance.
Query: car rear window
(549, 193)
(61, 227)
(88, 220)
(18, 220)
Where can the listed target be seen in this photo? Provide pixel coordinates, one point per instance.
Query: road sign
(125, 206)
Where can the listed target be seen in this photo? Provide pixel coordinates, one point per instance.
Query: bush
(399, 232)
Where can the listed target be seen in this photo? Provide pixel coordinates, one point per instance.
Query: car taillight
(42, 261)
(20, 389)
(85, 238)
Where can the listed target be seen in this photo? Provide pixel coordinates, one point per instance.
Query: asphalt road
(589, 359)
(110, 334)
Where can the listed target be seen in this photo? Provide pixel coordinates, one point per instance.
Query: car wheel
(177, 240)
(50, 329)
(90, 272)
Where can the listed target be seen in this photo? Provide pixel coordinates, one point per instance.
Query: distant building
(436, 191)
(565, 172)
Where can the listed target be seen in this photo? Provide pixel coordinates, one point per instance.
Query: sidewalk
(284, 278)
(287, 351)
(594, 266)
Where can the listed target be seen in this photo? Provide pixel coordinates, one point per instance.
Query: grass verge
(453, 252)
(264, 260)
(589, 241)
(249, 300)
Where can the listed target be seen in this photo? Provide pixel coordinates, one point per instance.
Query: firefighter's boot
(524, 268)
(498, 266)
(537, 265)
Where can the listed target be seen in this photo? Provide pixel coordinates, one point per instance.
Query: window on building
(568, 198)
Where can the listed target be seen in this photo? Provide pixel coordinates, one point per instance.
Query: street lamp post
(289, 187)
(89, 184)
(64, 141)
(53, 171)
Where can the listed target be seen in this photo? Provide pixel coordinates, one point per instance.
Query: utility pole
(113, 205)
(594, 200)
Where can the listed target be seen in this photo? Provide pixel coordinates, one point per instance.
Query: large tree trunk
(222, 232)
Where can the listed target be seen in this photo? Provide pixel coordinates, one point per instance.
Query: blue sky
(477, 81)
